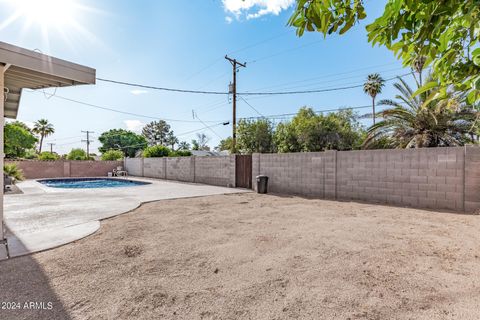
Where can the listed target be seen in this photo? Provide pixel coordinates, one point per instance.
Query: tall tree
(43, 128)
(225, 145)
(373, 86)
(255, 136)
(156, 132)
(414, 121)
(446, 32)
(120, 139)
(172, 140)
(201, 142)
(18, 140)
(308, 132)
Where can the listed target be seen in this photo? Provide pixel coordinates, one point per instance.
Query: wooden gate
(243, 171)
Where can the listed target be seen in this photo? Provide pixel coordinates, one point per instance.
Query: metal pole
(234, 63)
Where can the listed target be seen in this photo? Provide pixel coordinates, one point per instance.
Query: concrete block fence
(218, 171)
(436, 178)
(35, 169)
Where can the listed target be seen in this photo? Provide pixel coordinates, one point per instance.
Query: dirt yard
(246, 256)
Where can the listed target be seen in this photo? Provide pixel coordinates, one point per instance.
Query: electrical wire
(122, 112)
(247, 93)
(253, 108)
(313, 90)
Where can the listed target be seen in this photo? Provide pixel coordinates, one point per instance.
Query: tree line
(412, 119)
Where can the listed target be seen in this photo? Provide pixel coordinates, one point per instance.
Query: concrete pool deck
(43, 217)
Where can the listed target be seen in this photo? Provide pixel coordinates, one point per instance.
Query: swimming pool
(90, 183)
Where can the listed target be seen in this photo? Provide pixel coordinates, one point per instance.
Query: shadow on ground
(33, 297)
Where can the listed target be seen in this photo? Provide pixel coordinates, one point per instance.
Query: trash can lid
(261, 176)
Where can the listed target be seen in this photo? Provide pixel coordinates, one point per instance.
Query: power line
(254, 109)
(249, 46)
(206, 126)
(248, 93)
(280, 116)
(160, 88)
(284, 51)
(120, 111)
(312, 91)
(181, 134)
(326, 76)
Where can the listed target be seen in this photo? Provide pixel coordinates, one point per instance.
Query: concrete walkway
(43, 218)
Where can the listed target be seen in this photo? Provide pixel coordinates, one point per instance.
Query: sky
(182, 44)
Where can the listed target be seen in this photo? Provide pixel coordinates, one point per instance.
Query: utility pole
(233, 90)
(51, 146)
(87, 141)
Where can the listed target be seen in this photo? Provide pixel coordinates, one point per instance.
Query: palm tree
(44, 129)
(417, 122)
(373, 86)
(183, 145)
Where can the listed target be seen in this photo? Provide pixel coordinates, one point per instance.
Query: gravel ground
(249, 256)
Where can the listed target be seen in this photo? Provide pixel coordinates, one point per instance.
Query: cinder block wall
(181, 169)
(34, 169)
(134, 166)
(425, 178)
(92, 168)
(310, 174)
(472, 179)
(218, 171)
(436, 178)
(155, 168)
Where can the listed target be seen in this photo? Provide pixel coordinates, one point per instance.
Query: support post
(3, 244)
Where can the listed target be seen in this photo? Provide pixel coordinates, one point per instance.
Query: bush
(156, 152)
(46, 155)
(180, 153)
(112, 155)
(13, 171)
(77, 154)
(31, 154)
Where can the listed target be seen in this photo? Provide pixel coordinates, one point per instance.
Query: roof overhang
(33, 70)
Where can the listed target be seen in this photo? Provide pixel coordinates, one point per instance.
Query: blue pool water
(90, 183)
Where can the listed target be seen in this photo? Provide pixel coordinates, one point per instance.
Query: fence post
(471, 181)
(255, 169)
(192, 166)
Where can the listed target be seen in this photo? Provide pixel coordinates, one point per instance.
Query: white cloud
(256, 8)
(228, 19)
(134, 125)
(138, 92)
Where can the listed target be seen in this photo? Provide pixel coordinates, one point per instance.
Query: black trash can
(262, 184)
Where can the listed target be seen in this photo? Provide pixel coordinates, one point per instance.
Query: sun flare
(47, 13)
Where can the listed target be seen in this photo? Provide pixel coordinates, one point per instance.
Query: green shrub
(77, 154)
(112, 155)
(46, 155)
(13, 171)
(156, 152)
(31, 154)
(180, 153)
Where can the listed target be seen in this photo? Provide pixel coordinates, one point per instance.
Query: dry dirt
(247, 256)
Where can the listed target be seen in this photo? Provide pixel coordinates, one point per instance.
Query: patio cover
(22, 68)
